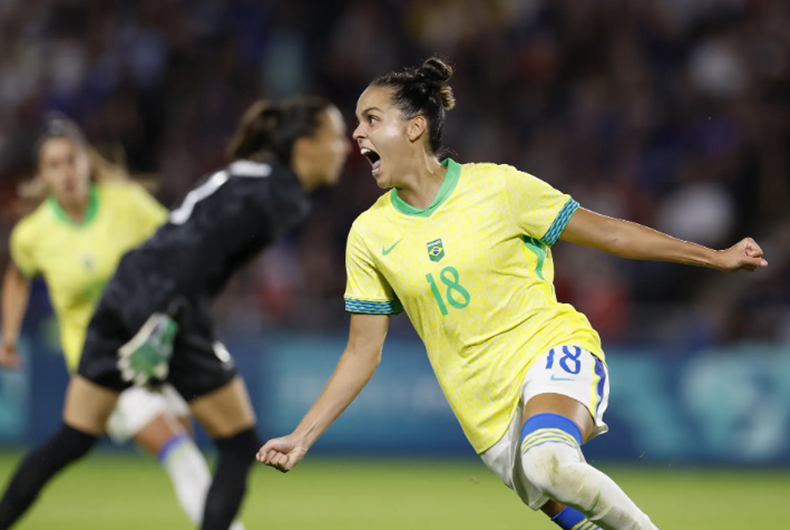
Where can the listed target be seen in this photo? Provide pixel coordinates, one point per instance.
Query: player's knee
(550, 467)
(241, 445)
(71, 444)
(549, 452)
(237, 452)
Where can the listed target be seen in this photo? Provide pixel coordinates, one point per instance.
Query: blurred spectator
(674, 113)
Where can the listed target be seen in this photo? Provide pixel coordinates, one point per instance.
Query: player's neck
(420, 184)
(75, 209)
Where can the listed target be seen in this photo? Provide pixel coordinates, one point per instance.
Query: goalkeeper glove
(145, 359)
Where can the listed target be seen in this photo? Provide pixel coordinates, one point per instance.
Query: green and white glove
(145, 359)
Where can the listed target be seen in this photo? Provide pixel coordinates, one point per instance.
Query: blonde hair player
(464, 249)
(89, 214)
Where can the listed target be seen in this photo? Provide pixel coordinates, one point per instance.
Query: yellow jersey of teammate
(78, 258)
(474, 273)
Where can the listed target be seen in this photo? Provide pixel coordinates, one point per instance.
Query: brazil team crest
(435, 249)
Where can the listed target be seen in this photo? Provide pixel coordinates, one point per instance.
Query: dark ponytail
(268, 131)
(423, 91)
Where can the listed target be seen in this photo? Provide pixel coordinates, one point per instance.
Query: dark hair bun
(436, 73)
(435, 70)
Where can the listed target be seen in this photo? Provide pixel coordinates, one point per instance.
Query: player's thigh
(175, 402)
(571, 382)
(178, 408)
(225, 411)
(155, 434)
(150, 417)
(88, 405)
(564, 406)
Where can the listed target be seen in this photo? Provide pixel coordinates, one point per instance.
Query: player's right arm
(16, 293)
(16, 289)
(353, 371)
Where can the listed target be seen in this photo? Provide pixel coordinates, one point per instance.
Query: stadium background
(673, 113)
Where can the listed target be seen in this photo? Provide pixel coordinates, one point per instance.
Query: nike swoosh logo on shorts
(555, 378)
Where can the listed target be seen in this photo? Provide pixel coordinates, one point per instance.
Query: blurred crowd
(672, 113)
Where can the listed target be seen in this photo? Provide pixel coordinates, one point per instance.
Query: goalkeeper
(153, 323)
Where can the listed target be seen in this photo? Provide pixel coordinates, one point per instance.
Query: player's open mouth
(373, 157)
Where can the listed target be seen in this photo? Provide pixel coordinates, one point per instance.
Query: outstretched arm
(354, 370)
(632, 240)
(16, 293)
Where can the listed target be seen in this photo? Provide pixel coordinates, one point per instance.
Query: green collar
(447, 187)
(90, 213)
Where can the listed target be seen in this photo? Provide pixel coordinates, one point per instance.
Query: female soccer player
(153, 321)
(91, 216)
(464, 250)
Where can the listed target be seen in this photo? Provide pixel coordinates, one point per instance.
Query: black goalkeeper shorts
(200, 363)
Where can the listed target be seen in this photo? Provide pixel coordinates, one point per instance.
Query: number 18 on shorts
(573, 372)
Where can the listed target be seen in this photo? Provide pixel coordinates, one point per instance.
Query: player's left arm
(635, 241)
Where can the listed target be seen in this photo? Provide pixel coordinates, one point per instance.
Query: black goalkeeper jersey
(223, 222)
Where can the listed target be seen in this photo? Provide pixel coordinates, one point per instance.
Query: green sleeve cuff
(556, 228)
(373, 308)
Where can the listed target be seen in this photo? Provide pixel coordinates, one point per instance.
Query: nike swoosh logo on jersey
(555, 378)
(385, 251)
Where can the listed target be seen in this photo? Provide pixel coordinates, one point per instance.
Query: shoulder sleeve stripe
(556, 228)
(248, 168)
(373, 308)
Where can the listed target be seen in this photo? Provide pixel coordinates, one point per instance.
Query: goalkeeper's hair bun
(423, 91)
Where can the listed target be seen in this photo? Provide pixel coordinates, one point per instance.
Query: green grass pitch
(128, 491)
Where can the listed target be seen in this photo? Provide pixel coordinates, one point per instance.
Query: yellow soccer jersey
(474, 273)
(77, 259)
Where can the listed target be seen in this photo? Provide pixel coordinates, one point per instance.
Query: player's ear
(416, 128)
